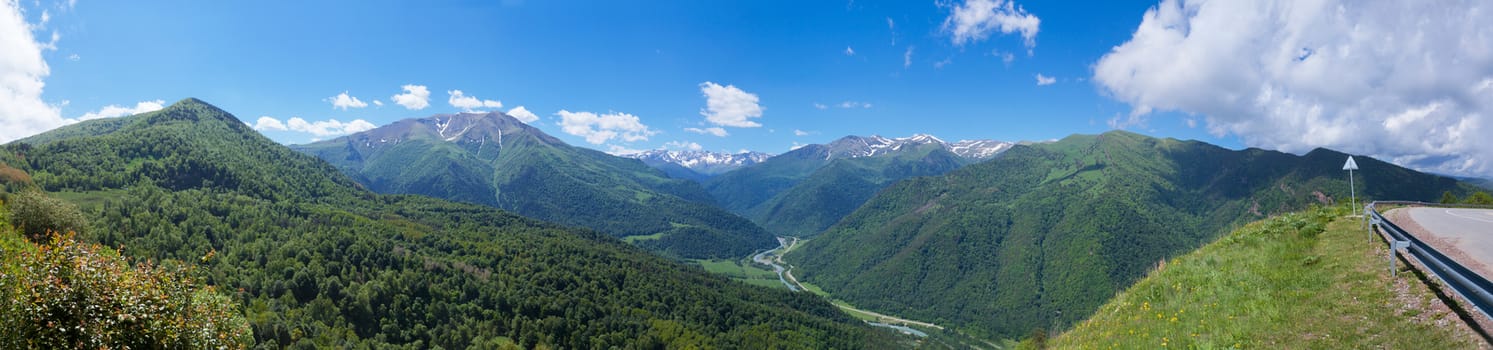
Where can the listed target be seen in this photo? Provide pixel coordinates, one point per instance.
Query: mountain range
(804, 191)
(1043, 234)
(317, 261)
(496, 160)
(697, 165)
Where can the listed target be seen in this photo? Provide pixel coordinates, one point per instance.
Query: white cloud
(796, 145)
(22, 75)
(730, 106)
(1392, 79)
(617, 150)
(344, 101)
(598, 129)
(891, 26)
(853, 104)
(797, 132)
(112, 111)
(849, 51)
(820, 106)
(941, 64)
(690, 146)
(74, 57)
(1043, 80)
(470, 103)
(378, 103)
(907, 57)
(975, 20)
(717, 131)
(321, 129)
(415, 97)
(522, 114)
(267, 123)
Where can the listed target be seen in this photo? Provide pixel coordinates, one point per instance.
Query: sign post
(1350, 166)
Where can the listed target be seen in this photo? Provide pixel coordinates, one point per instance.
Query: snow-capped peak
(704, 162)
(857, 146)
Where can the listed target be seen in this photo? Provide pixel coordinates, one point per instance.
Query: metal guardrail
(1471, 286)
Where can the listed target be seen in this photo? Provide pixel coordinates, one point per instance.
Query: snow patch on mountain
(704, 162)
(874, 145)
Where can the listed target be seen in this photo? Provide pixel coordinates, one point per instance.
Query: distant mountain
(804, 191)
(317, 262)
(1045, 233)
(858, 146)
(494, 159)
(697, 165)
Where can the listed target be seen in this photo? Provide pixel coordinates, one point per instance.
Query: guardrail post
(1395, 246)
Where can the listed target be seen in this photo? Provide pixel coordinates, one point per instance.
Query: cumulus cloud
(849, 51)
(470, 103)
(730, 106)
(267, 123)
(681, 145)
(112, 111)
(717, 131)
(378, 103)
(907, 57)
(415, 97)
(820, 106)
(320, 129)
(522, 114)
(22, 75)
(975, 20)
(797, 132)
(600, 128)
(1393, 79)
(1043, 80)
(344, 101)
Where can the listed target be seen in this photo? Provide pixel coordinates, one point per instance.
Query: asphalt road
(1467, 230)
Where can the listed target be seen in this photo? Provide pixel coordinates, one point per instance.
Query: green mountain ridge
(317, 261)
(803, 192)
(496, 160)
(1043, 234)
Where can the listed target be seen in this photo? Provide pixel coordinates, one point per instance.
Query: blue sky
(634, 74)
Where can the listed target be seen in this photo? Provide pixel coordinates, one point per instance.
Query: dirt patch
(928, 206)
(1322, 198)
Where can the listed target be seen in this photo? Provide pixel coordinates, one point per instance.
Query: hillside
(802, 192)
(1297, 281)
(1042, 235)
(496, 160)
(316, 261)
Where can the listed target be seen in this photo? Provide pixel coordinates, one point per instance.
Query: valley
(746, 175)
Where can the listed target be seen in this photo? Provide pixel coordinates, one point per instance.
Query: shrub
(65, 294)
(35, 214)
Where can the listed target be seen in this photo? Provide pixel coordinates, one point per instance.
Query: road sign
(1350, 166)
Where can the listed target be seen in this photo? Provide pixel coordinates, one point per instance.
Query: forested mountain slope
(802, 192)
(317, 261)
(494, 159)
(1045, 233)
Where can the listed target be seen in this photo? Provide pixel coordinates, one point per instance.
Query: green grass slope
(316, 261)
(1307, 280)
(1041, 236)
(496, 160)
